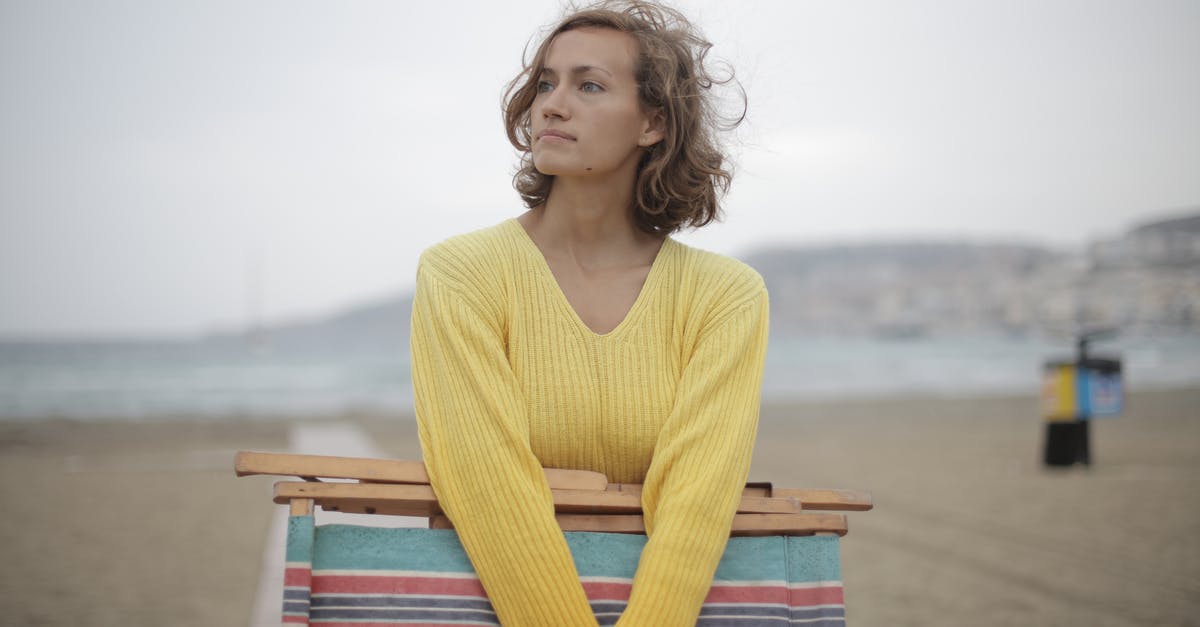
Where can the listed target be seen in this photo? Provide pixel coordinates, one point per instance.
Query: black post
(1066, 443)
(1069, 442)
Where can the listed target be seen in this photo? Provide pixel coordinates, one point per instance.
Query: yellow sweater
(507, 379)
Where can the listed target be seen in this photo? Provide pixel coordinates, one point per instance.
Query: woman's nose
(554, 104)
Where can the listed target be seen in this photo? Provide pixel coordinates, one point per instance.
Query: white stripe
(756, 617)
(813, 620)
(766, 605)
(773, 583)
(416, 609)
(717, 583)
(606, 580)
(389, 595)
(815, 584)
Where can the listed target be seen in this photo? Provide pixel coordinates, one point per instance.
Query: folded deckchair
(782, 565)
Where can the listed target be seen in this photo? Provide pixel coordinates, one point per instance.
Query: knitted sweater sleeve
(475, 439)
(700, 464)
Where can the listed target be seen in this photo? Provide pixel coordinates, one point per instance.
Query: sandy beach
(145, 524)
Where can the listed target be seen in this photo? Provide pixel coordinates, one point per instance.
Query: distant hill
(382, 326)
(899, 288)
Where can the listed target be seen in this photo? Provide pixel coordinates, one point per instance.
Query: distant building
(1145, 280)
(1174, 243)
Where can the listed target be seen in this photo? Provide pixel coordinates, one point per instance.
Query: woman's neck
(590, 223)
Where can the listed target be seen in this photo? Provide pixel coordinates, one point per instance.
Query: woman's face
(587, 120)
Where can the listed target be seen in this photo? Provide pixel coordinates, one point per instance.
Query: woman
(580, 335)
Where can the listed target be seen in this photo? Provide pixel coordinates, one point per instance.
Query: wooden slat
(381, 470)
(827, 499)
(619, 502)
(788, 524)
(363, 498)
(819, 499)
(420, 500)
(386, 471)
(743, 524)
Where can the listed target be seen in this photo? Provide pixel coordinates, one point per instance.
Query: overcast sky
(176, 167)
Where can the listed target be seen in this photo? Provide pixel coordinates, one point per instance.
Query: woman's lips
(553, 135)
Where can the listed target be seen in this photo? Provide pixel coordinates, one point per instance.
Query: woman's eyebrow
(578, 69)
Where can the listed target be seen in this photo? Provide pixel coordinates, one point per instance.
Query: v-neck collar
(649, 286)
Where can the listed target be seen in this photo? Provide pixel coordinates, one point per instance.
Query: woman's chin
(556, 170)
(550, 166)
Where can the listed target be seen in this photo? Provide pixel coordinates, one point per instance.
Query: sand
(144, 523)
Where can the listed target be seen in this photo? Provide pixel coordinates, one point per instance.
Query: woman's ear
(654, 129)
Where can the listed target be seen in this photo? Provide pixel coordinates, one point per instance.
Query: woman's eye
(545, 86)
(589, 86)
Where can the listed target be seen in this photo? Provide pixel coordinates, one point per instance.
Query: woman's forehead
(604, 49)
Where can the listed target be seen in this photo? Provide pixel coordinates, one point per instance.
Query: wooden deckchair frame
(583, 501)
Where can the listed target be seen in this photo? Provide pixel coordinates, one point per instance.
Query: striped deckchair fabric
(788, 572)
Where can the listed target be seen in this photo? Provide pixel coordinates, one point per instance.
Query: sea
(240, 377)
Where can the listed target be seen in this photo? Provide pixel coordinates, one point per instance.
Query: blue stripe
(411, 615)
(766, 611)
(295, 607)
(296, 594)
(750, 621)
(418, 602)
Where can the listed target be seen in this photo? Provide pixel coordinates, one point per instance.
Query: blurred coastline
(924, 318)
(223, 379)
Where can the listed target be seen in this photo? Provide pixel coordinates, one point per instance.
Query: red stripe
(384, 584)
(607, 590)
(825, 595)
(297, 577)
(303, 620)
(325, 623)
(747, 594)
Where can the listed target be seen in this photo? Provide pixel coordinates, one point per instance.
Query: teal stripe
(348, 547)
(754, 559)
(813, 558)
(300, 539)
(605, 554)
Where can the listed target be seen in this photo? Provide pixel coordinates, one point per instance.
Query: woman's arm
(475, 439)
(700, 464)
